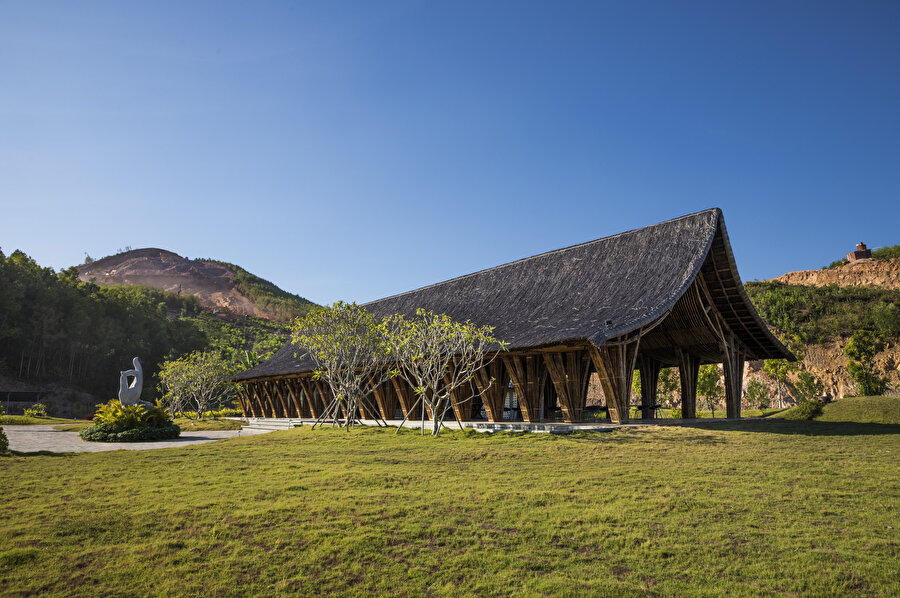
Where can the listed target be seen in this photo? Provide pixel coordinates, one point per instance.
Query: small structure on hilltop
(862, 252)
(667, 295)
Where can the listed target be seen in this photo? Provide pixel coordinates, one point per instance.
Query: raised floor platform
(275, 423)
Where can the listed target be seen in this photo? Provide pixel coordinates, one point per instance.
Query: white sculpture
(130, 394)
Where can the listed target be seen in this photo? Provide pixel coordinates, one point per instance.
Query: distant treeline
(281, 305)
(54, 327)
(818, 314)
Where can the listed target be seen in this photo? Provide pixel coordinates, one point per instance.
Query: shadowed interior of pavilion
(667, 295)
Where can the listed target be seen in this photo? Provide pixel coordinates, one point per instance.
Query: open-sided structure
(666, 295)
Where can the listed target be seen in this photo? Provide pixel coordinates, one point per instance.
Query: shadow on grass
(799, 427)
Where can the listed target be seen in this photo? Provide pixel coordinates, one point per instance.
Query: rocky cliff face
(160, 269)
(865, 273)
(827, 361)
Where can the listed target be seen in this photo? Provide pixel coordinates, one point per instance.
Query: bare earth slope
(160, 269)
(827, 361)
(864, 273)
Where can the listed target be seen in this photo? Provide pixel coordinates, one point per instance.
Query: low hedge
(113, 433)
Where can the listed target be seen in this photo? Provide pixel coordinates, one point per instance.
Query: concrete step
(270, 423)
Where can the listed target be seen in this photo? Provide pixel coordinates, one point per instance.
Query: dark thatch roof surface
(590, 292)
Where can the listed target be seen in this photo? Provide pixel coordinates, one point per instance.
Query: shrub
(805, 410)
(111, 433)
(129, 423)
(4, 441)
(675, 413)
(36, 410)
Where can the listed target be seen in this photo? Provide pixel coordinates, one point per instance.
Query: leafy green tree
(709, 386)
(668, 386)
(757, 394)
(809, 388)
(778, 369)
(437, 356)
(197, 382)
(351, 352)
(864, 345)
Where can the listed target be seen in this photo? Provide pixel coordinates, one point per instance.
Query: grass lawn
(21, 420)
(870, 410)
(756, 508)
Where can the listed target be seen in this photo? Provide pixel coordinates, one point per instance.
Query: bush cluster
(4, 441)
(113, 433)
(36, 410)
(130, 423)
(805, 410)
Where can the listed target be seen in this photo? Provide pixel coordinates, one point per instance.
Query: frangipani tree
(350, 349)
(438, 357)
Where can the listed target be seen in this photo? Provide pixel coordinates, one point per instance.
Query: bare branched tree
(438, 358)
(349, 348)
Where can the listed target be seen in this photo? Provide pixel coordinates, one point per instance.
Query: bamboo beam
(306, 385)
(462, 398)
(279, 388)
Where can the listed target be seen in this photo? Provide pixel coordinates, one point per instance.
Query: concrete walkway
(31, 439)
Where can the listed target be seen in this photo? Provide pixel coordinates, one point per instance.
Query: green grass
(189, 425)
(752, 508)
(876, 410)
(866, 410)
(21, 420)
(186, 425)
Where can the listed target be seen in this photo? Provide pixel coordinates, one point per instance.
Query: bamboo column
(405, 395)
(489, 380)
(568, 372)
(386, 399)
(526, 373)
(649, 369)
(615, 363)
(733, 363)
(688, 370)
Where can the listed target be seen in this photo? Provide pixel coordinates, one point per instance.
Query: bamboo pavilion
(666, 295)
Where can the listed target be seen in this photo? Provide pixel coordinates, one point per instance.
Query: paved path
(31, 439)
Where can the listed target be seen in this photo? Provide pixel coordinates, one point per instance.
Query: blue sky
(352, 150)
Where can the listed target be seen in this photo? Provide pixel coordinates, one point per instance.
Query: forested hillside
(54, 327)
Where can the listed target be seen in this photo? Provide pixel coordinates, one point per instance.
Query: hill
(883, 273)
(822, 308)
(218, 285)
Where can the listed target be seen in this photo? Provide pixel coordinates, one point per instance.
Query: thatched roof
(587, 293)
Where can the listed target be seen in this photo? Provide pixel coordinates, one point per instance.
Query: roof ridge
(539, 255)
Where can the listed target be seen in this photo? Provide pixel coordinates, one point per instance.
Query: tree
(350, 349)
(197, 382)
(809, 387)
(438, 357)
(757, 394)
(864, 345)
(708, 386)
(778, 369)
(668, 385)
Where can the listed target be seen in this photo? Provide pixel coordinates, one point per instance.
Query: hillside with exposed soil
(218, 285)
(864, 273)
(825, 358)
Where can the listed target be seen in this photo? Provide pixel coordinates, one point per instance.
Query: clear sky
(352, 150)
